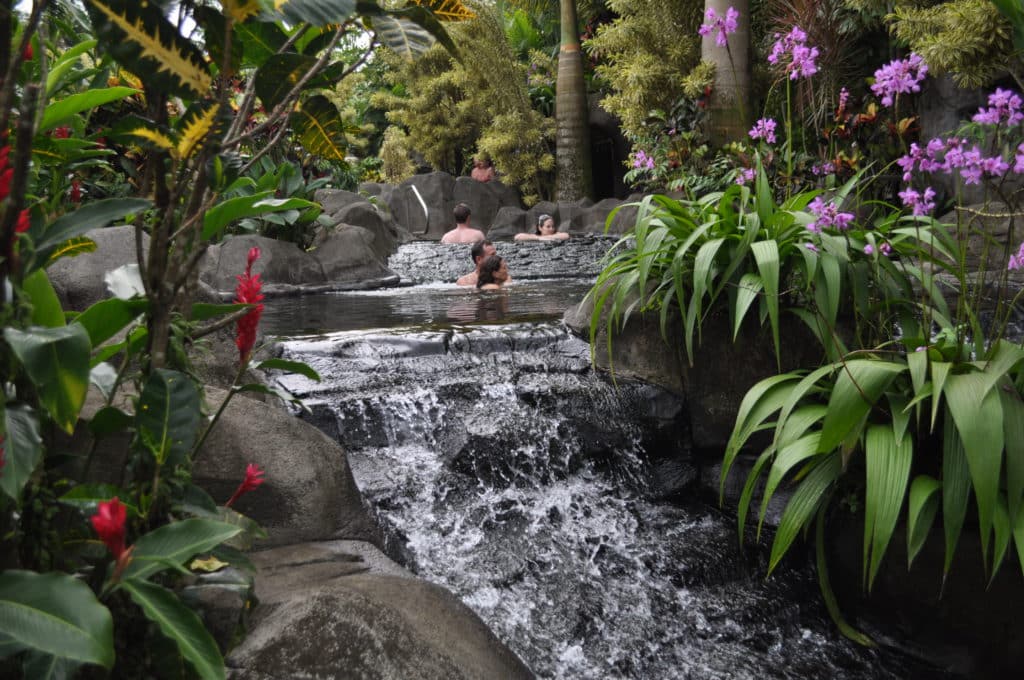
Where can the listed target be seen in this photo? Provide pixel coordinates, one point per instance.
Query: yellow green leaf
(155, 137)
(447, 10)
(72, 247)
(195, 130)
(209, 564)
(240, 10)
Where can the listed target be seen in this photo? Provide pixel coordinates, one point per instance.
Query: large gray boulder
(78, 280)
(485, 199)
(344, 610)
(348, 255)
(280, 263)
(348, 208)
(309, 493)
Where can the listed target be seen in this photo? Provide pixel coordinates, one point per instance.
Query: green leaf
(409, 31)
(87, 497)
(71, 248)
(260, 40)
(922, 506)
(221, 215)
(39, 666)
(856, 391)
(57, 361)
(789, 457)
(803, 505)
(766, 253)
(318, 12)
(106, 318)
(743, 507)
(67, 60)
(831, 604)
(747, 290)
(320, 129)
(59, 111)
(168, 415)
(940, 371)
(92, 215)
(278, 76)
(55, 614)
(22, 446)
(300, 367)
(176, 543)
(140, 38)
(46, 307)
(978, 414)
(1001, 525)
(956, 489)
(202, 311)
(180, 624)
(1013, 436)
(887, 462)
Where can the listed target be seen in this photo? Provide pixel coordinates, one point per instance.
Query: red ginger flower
(109, 525)
(248, 291)
(28, 53)
(23, 222)
(63, 132)
(76, 191)
(253, 478)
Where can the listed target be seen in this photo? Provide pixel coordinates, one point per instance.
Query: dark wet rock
(280, 262)
(79, 281)
(223, 599)
(308, 494)
(344, 610)
(350, 254)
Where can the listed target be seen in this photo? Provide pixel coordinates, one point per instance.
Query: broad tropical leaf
(402, 36)
(55, 614)
(87, 497)
(176, 542)
(196, 124)
(39, 666)
(154, 137)
(90, 216)
(300, 367)
(1013, 436)
(803, 505)
(57, 362)
(978, 414)
(22, 445)
(922, 505)
(316, 12)
(168, 415)
(221, 215)
(46, 307)
(108, 317)
(956, 489)
(71, 248)
(887, 473)
(447, 10)
(59, 111)
(858, 387)
(766, 254)
(279, 75)
(240, 10)
(180, 624)
(142, 40)
(320, 129)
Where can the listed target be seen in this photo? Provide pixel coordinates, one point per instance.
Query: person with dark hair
(493, 273)
(544, 231)
(480, 251)
(462, 233)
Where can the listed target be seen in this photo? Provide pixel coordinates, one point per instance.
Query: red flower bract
(248, 291)
(76, 191)
(109, 525)
(253, 478)
(23, 223)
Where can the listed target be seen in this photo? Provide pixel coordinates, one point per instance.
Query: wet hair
(478, 249)
(541, 219)
(487, 269)
(461, 213)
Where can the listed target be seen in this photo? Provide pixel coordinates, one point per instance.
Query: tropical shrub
(68, 600)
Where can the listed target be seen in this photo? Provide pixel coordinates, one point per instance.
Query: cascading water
(510, 472)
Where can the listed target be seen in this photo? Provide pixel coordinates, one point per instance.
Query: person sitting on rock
(483, 169)
(493, 273)
(462, 233)
(480, 251)
(545, 231)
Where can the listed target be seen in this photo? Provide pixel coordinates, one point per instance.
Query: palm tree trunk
(730, 107)
(572, 132)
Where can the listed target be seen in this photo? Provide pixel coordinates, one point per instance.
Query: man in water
(480, 251)
(462, 233)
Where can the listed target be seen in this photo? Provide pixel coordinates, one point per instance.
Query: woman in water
(493, 273)
(545, 231)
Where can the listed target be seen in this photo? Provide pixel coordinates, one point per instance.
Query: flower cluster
(1004, 108)
(899, 76)
(764, 129)
(919, 203)
(6, 176)
(1017, 261)
(724, 25)
(248, 292)
(642, 160)
(827, 216)
(253, 478)
(746, 175)
(791, 51)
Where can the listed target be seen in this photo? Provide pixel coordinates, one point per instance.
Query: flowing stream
(504, 468)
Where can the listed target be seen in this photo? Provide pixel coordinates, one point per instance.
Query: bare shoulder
(467, 279)
(450, 237)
